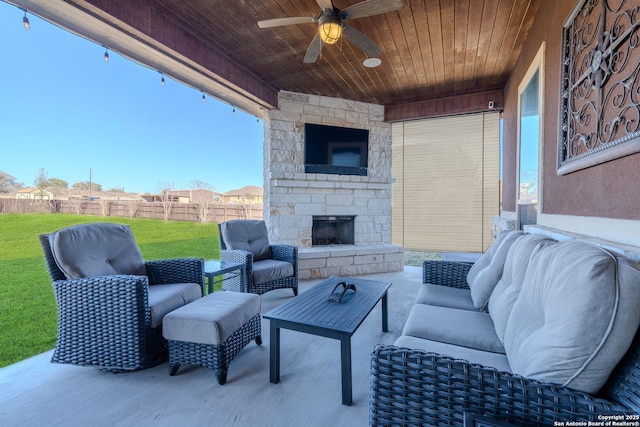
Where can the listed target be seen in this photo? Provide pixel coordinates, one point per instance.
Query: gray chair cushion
(445, 296)
(211, 319)
(268, 270)
(165, 298)
(472, 329)
(576, 315)
(96, 249)
(485, 358)
(248, 235)
(485, 273)
(506, 292)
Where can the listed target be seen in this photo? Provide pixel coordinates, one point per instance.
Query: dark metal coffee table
(313, 313)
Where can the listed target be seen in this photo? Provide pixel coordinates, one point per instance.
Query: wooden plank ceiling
(430, 48)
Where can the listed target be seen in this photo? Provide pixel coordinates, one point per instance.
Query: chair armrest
(86, 305)
(237, 255)
(446, 273)
(176, 270)
(286, 253)
(417, 387)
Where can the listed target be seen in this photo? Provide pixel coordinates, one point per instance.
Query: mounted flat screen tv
(335, 150)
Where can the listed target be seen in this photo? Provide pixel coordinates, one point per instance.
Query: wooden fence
(216, 212)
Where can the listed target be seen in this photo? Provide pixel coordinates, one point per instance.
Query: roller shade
(447, 182)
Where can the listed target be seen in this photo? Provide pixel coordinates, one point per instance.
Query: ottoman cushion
(211, 319)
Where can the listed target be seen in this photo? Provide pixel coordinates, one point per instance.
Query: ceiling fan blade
(278, 22)
(363, 42)
(313, 52)
(325, 4)
(370, 8)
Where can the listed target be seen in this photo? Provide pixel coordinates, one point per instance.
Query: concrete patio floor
(37, 392)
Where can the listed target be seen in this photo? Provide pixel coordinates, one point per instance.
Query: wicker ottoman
(212, 330)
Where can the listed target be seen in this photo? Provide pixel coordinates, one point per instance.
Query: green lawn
(27, 306)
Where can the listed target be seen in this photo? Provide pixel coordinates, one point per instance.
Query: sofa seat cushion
(506, 292)
(268, 270)
(576, 315)
(485, 358)
(165, 298)
(472, 329)
(211, 319)
(485, 273)
(445, 296)
(248, 235)
(96, 249)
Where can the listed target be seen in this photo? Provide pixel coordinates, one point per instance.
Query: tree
(202, 199)
(77, 204)
(167, 200)
(132, 207)
(59, 183)
(8, 183)
(41, 183)
(105, 206)
(84, 185)
(244, 206)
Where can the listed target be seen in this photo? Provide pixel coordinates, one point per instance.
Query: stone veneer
(292, 197)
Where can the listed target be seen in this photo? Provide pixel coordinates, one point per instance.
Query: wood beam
(448, 106)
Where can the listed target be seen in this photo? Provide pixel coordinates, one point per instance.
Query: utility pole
(89, 183)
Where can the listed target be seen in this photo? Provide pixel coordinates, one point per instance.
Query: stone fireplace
(294, 197)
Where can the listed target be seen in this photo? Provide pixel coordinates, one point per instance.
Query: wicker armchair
(415, 387)
(268, 266)
(108, 321)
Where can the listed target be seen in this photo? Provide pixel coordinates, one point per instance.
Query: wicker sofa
(535, 332)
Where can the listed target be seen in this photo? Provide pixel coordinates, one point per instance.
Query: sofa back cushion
(506, 292)
(576, 315)
(96, 249)
(248, 235)
(487, 270)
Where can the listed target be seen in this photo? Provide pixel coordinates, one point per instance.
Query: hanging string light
(25, 22)
(162, 82)
(203, 98)
(106, 55)
(233, 112)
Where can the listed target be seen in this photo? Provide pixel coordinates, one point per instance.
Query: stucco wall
(608, 190)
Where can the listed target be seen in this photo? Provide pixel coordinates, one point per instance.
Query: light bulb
(25, 22)
(203, 98)
(233, 112)
(106, 55)
(162, 82)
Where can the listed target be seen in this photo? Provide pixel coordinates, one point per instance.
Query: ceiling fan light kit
(332, 26)
(329, 28)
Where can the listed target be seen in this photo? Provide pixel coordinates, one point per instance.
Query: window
(530, 137)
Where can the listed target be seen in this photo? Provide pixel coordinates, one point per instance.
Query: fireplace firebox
(332, 230)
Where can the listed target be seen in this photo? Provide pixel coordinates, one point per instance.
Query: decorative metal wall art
(600, 87)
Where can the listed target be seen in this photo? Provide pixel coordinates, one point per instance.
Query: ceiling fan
(332, 25)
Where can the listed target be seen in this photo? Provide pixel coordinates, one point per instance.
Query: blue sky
(63, 109)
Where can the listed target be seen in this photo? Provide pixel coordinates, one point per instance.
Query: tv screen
(336, 150)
